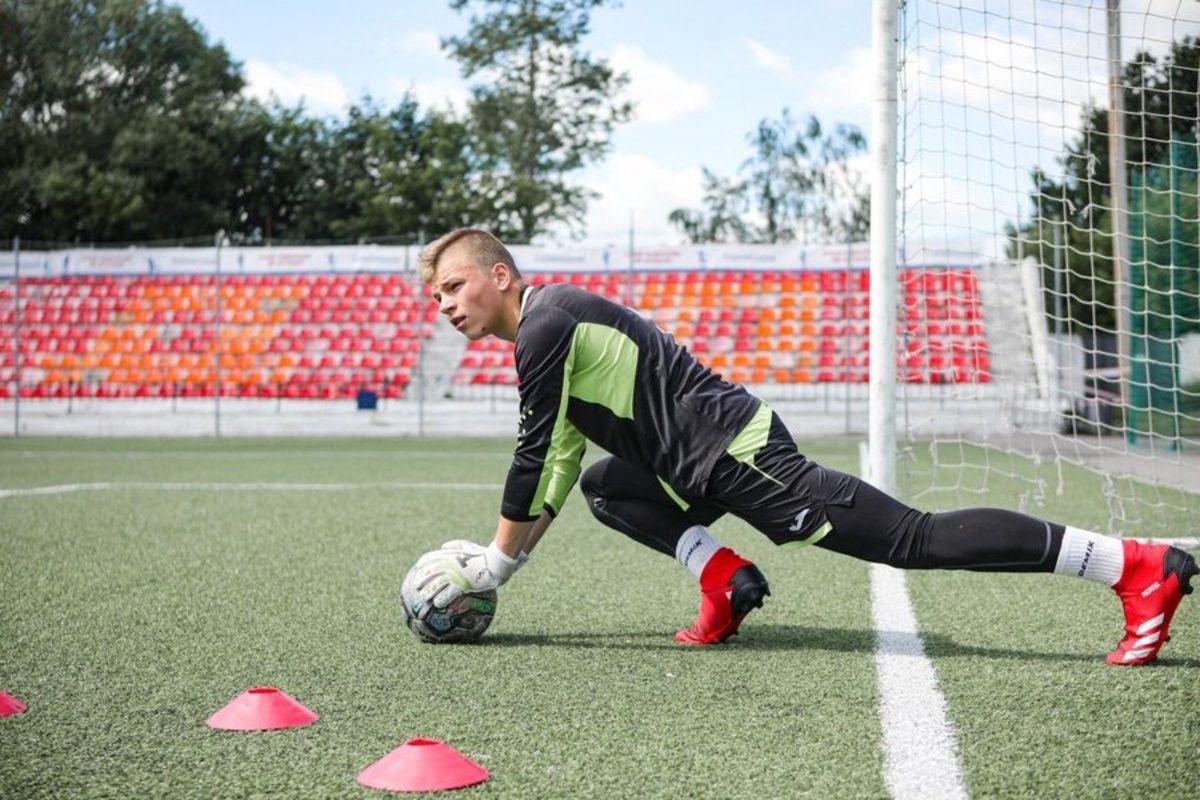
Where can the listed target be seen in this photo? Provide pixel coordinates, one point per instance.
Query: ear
(501, 275)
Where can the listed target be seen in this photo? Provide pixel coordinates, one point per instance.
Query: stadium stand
(808, 326)
(295, 336)
(327, 336)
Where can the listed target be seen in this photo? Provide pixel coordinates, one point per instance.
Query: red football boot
(1155, 578)
(730, 587)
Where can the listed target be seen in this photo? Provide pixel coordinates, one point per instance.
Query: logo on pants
(798, 525)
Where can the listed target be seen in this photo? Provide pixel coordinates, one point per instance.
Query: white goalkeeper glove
(464, 567)
(470, 547)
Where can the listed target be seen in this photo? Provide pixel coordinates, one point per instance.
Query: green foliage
(121, 123)
(726, 205)
(396, 172)
(798, 185)
(284, 161)
(547, 110)
(1165, 253)
(117, 120)
(1161, 108)
(1085, 255)
(404, 172)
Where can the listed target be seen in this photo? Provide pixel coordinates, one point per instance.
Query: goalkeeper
(688, 447)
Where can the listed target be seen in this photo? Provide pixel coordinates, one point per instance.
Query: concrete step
(437, 361)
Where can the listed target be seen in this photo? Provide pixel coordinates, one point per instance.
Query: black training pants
(793, 499)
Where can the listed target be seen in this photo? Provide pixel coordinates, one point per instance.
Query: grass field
(132, 609)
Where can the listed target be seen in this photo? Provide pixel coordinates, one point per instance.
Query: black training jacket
(591, 369)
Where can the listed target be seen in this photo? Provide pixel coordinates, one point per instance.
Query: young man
(688, 447)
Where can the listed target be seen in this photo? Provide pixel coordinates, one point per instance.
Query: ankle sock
(1089, 555)
(694, 549)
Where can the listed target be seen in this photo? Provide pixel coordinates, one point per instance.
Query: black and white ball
(463, 620)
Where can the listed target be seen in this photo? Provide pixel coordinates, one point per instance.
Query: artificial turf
(129, 613)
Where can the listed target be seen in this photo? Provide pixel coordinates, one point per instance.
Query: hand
(461, 567)
(464, 545)
(452, 548)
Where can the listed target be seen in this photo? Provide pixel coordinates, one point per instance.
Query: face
(470, 297)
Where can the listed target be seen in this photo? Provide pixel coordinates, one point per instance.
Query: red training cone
(9, 705)
(422, 765)
(261, 708)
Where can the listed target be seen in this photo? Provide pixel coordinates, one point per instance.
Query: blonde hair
(485, 250)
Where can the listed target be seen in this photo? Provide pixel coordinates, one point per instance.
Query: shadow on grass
(800, 638)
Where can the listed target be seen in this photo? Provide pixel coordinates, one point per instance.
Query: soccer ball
(463, 620)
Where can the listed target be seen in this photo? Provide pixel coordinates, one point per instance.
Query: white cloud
(768, 59)
(444, 90)
(321, 92)
(439, 93)
(844, 86)
(638, 185)
(660, 94)
(421, 43)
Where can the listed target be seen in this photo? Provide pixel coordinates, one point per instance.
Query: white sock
(1090, 555)
(695, 548)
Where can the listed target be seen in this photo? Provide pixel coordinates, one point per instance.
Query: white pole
(19, 359)
(881, 437)
(220, 240)
(629, 278)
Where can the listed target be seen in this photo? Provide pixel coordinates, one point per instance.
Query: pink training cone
(10, 705)
(422, 765)
(261, 708)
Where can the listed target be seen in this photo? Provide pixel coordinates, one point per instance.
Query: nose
(446, 306)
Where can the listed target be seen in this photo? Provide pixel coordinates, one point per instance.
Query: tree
(726, 203)
(282, 167)
(121, 123)
(798, 185)
(1161, 107)
(547, 110)
(405, 173)
(117, 119)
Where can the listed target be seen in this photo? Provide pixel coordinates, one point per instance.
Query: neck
(511, 317)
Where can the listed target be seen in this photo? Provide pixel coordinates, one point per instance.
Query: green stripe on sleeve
(560, 440)
(566, 468)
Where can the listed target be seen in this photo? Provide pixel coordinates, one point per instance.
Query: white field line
(137, 455)
(67, 488)
(1186, 544)
(920, 751)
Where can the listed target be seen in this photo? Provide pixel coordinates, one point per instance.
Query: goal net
(1085, 249)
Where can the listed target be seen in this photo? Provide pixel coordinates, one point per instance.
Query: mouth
(457, 322)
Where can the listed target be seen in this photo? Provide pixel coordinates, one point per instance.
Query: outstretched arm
(463, 566)
(519, 538)
(545, 465)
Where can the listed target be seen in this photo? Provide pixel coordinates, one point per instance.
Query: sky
(989, 89)
(703, 74)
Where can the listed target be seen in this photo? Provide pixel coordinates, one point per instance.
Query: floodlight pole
(1119, 198)
(630, 281)
(220, 236)
(17, 335)
(881, 437)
